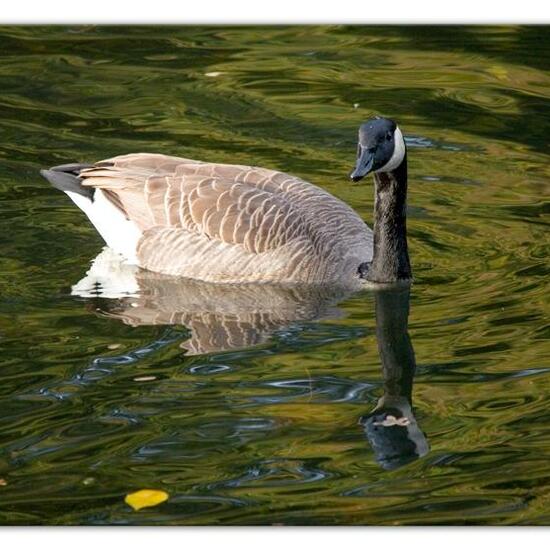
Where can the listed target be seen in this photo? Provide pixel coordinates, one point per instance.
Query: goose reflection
(391, 427)
(219, 317)
(228, 317)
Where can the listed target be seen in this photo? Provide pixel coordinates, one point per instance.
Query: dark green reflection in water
(268, 430)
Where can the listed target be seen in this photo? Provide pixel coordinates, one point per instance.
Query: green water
(270, 429)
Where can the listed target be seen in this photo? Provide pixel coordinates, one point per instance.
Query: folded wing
(211, 221)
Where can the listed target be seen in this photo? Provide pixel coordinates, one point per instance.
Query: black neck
(390, 262)
(394, 344)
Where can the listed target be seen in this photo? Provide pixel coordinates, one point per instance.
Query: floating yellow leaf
(145, 498)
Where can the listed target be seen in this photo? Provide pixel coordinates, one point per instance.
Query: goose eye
(388, 136)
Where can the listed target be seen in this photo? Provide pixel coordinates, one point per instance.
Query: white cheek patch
(398, 152)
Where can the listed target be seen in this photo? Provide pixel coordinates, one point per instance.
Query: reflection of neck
(390, 260)
(394, 345)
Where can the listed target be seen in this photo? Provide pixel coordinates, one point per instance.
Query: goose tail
(118, 232)
(66, 178)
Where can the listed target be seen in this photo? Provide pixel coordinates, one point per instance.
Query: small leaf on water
(114, 346)
(145, 498)
(3, 482)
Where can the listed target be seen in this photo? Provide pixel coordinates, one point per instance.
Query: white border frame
(274, 12)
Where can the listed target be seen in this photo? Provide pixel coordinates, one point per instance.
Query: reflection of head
(394, 436)
(391, 428)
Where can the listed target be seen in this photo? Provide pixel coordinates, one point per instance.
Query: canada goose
(235, 224)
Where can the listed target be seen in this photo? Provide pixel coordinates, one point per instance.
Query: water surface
(264, 419)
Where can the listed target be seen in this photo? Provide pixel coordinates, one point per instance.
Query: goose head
(381, 148)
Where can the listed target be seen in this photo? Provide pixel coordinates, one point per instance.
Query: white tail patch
(120, 234)
(109, 277)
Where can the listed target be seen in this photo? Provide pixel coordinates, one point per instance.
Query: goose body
(220, 222)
